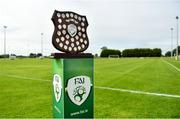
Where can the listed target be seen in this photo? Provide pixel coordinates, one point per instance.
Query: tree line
(136, 52)
(31, 55)
(107, 52)
(168, 53)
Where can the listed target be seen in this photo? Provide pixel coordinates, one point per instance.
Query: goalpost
(113, 56)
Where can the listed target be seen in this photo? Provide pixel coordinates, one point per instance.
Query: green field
(26, 88)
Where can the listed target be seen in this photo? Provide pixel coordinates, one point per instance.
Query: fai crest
(70, 32)
(78, 89)
(57, 87)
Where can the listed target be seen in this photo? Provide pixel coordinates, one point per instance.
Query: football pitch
(125, 87)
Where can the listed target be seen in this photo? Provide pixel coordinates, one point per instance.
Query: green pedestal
(73, 86)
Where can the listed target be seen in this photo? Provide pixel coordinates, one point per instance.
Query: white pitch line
(21, 77)
(171, 65)
(100, 87)
(137, 92)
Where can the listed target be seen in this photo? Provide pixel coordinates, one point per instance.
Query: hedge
(142, 52)
(107, 52)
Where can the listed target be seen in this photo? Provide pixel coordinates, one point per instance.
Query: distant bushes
(107, 52)
(137, 52)
(4, 56)
(142, 52)
(168, 53)
(34, 55)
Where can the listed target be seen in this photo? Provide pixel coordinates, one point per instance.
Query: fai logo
(57, 87)
(70, 32)
(78, 89)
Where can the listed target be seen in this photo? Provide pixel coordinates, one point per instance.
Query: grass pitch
(25, 91)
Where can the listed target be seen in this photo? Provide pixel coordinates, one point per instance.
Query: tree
(104, 48)
(32, 55)
(142, 52)
(156, 52)
(39, 55)
(168, 54)
(107, 52)
(4, 56)
(174, 51)
(96, 55)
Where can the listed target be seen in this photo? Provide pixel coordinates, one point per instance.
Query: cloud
(113, 23)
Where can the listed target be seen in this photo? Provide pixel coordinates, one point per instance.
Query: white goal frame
(12, 57)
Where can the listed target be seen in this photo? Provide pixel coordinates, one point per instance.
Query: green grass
(23, 97)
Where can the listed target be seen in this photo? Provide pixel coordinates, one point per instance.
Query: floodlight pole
(5, 27)
(177, 39)
(42, 43)
(171, 42)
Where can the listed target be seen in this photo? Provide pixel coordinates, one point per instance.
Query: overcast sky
(117, 24)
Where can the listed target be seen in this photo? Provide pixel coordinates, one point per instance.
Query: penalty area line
(137, 92)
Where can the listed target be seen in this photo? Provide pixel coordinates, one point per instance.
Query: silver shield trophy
(70, 32)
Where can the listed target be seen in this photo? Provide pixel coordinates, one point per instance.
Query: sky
(117, 24)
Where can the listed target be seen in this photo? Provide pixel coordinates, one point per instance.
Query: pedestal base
(73, 88)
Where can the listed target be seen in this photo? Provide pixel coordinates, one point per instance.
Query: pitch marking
(137, 92)
(104, 88)
(171, 65)
(21, 77)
